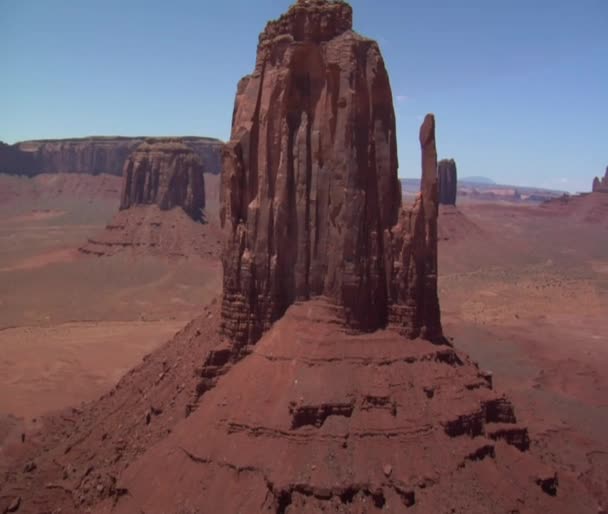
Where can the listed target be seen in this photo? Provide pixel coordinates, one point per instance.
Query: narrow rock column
(448, 181)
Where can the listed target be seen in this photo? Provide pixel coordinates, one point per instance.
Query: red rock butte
(162, 203)
(165, 172)
(311, 197)
(332, 388)
(601, 185)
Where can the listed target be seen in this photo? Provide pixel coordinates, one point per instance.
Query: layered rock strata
(91, 155)
(310, 190)
(448, 181)
(167, 173)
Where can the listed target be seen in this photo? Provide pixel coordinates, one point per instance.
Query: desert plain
(523, 290)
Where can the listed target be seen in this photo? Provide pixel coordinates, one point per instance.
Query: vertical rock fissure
(327, 213)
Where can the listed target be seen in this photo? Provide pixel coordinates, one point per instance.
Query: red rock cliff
(92, 155)
(309, 189)
(167, 173)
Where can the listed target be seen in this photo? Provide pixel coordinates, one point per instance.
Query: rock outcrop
(313, 418)
(12, 160)
(601, 185)
(91, 155)
(414, 303)
(161, 207)
(448, 181)
(310, 187)
(165, 172)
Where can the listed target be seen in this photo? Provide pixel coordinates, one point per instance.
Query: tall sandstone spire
(310, 192)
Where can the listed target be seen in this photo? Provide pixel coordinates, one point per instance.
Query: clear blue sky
(519, 87)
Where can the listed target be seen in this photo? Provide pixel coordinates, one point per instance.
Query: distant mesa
(91, 155)
(448, 181)
(15, 161)
(478, 180)
(601, 185)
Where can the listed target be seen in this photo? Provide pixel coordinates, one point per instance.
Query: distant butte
(448, 181)
(167, 173)
(601, 185)
(162, 204)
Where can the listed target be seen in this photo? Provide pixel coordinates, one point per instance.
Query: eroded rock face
(413, 242)
(167, 173)
(310, 192)
(12, 160)
(91, 155)
(601, 185)
(448, 181)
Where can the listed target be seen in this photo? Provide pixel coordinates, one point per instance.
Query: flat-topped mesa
(165, 172)
(601, 185)
(448, 181)
(91, 155)
(310, 192)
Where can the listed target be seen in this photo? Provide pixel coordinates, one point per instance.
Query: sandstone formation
(167, 173)
(12, 160)
(313, 417)
(414, 304)
(601, 185)
(311, 197)
(91, 155)
(448, 181)
(146, 230)
(161, 207)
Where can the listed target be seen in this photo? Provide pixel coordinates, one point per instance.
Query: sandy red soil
(523, 290)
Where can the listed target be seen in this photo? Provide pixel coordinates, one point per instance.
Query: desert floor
(523, 290)
(526, 295)
(71, 325)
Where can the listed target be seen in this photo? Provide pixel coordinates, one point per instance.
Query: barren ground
(71, 325)
(523, 290)
(528, 300)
